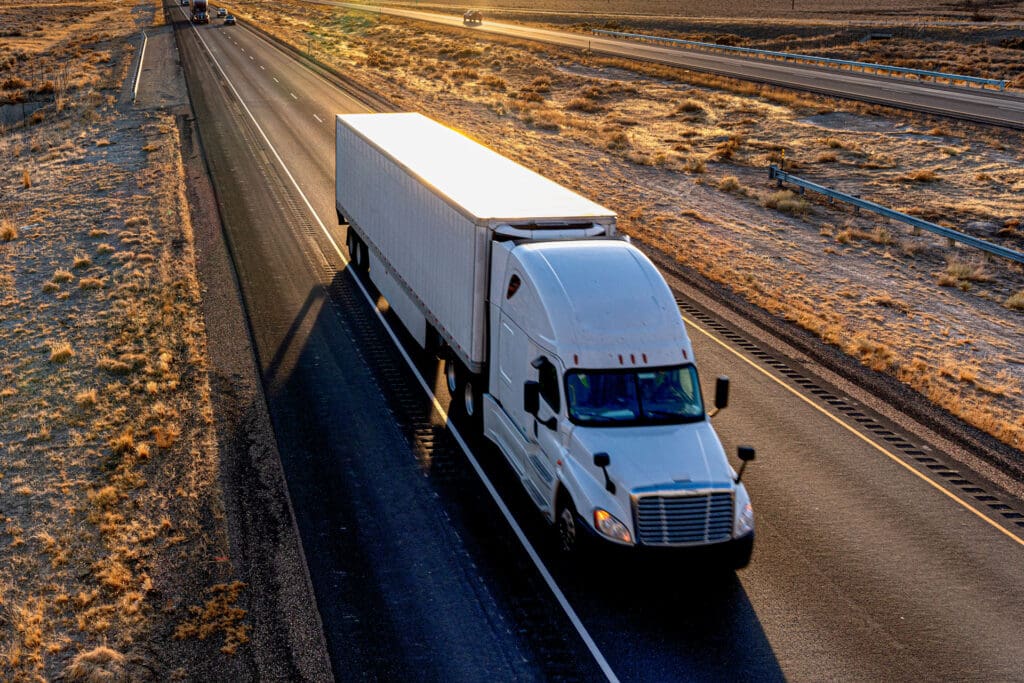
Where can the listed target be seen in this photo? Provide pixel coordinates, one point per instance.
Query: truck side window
(548, 377)
(513, 286)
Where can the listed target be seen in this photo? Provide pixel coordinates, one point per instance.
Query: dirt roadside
(144, 516)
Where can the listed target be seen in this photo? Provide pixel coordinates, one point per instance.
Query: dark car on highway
(229, 20)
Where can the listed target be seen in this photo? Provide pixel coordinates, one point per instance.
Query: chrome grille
(671, 520)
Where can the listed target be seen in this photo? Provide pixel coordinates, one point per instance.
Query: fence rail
(776, 173)
(138, 70)
(812, 59)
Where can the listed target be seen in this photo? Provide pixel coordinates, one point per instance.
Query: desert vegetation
(114, 558)
(682, 158)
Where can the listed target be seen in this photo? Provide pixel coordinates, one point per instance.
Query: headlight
(745, 520)
(611, 527)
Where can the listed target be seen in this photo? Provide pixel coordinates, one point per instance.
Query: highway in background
(971, 104)
(872, 561)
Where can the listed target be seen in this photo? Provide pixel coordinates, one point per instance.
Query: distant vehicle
(473, 16)
(221, 12)
(560, 339)
(184, 3)
(199, 12)
(229, 20)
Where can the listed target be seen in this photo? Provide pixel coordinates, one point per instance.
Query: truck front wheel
(566, 526)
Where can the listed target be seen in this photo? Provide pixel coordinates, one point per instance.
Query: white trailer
(561, 340)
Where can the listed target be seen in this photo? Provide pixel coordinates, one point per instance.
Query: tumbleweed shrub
(960, 273)
(8, 233)
(786, 202)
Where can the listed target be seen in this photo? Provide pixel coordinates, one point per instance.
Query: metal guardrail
(776, 173)
(812, 59)
(138, 70)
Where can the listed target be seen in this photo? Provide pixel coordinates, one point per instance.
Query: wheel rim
(566, 529)
(468, 400)
(451, 376)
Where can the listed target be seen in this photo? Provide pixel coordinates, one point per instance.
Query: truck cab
(595, 400)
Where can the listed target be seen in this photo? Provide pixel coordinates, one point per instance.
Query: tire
(472, 406)
(742, 551)
(358, 252)
(452, 376)
(568, 535)
(466, 392)
(350, 243)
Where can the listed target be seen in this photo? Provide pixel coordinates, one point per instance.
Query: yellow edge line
(898, 460)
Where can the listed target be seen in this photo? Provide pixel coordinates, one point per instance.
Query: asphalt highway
(972, 104)
(871, 562)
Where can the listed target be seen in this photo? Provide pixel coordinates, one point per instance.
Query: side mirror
(721, 392)
(602, 460)
(746, 454)
(531, 397)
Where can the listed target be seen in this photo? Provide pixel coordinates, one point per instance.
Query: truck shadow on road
(357, 433)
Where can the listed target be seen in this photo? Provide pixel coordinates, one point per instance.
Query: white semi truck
(561, 340)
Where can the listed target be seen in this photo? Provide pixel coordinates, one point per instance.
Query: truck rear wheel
(465, 389)
(357, 251)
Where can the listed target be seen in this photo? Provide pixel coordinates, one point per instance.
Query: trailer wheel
(358, 252)
(350, 243)
(452, 376)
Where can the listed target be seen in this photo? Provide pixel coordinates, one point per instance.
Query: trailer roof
(484, 184)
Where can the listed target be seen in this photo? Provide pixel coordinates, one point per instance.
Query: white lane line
(293, 96)
(275, 79)
(263, 67)
(516, 529)
(318, 118)
(895, 458)
(252, 58)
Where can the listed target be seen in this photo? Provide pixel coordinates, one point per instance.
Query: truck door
(513, 362)
(547, 425)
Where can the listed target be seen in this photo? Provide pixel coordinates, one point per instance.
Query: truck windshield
(634, 397)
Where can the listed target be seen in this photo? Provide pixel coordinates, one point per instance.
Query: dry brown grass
(218, 614)
(61, 352)
(99, 665)
(1015, 302)
(104, 544)
(8, 233)
(729, 183)
(924, 175)
(787, 202)
(959, 273)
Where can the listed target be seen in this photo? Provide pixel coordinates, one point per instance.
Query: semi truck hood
(656, 457)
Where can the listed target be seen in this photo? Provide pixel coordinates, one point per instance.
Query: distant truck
(473, 16)
(200, 13)
(560, 340)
